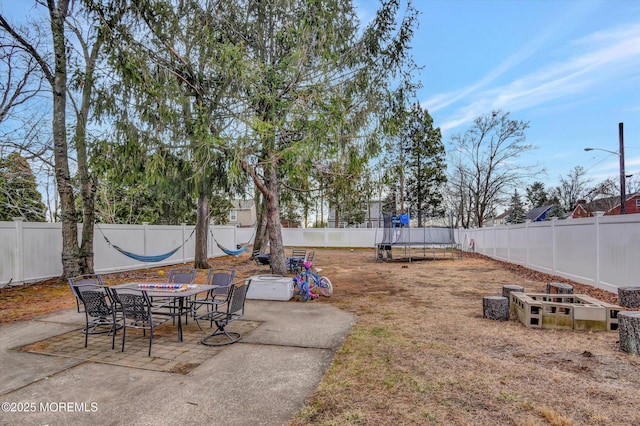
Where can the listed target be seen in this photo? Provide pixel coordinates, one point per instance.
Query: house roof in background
(605, 204)
(536, 212)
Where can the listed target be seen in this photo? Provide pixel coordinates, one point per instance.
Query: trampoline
(401, 243)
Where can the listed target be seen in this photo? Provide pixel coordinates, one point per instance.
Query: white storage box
(270, 287)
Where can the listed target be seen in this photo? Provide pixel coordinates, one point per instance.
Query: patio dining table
(179, 292)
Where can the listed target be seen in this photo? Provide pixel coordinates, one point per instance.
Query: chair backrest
(85, 280)
(135, 304)
(298, 253)
(222, 278)
(310, 255)
(182, 276)
(237, 298)
(96, 300)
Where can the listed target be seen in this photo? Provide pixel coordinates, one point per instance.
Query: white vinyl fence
(602, 252)
(32, 251)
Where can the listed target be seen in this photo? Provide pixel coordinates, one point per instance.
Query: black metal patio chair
(100, 312)
(89, 279)
(182, 276)
(168, 304)
(234, 310)
(222, 280)
(137, 312)
(296, 259)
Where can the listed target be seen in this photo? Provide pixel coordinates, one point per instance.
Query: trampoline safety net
(397, 232)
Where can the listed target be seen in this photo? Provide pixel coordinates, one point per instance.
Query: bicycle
(308, 284)
(301, 287)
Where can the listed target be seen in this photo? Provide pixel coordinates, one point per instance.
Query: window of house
(233, 215)
(637, 202)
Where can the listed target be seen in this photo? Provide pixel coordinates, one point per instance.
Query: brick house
(609, 205)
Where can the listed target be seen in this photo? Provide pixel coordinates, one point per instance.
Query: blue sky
(569, 67)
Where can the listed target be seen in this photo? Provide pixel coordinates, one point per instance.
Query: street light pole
(620, 153)
(623, 200)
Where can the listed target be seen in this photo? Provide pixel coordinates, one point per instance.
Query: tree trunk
(495, 308)
(70, 251)
(260, 241)
(88, 191)
(202, 230)
(629, 297)
(272, 200)
(88, 184)
(629, 329)
(559, 288)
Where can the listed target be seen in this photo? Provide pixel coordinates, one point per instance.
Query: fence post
(184, 237)
(235, 237)
(495, 242)
(597, 225)
(18, 264)
(554, 243)
(526, 245)
(145, 230)
(509, 244)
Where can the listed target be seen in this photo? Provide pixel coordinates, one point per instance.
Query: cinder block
(612, 312)
(557, 316)
(587, 300)
(564, 311)
(527, 310)
(589, 318)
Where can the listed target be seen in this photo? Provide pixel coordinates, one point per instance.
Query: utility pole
(623, 197)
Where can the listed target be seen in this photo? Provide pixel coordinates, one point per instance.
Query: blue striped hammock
(142, 258)
(230, 252)
(241, 249)
(148, 258)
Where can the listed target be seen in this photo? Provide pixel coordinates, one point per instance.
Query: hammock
(241, 248)
(143, 258)
(230, 252)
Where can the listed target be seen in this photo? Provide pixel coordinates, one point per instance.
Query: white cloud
(443, 100)
(598, 60)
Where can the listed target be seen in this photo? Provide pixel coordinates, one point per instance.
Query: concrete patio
(265, 379)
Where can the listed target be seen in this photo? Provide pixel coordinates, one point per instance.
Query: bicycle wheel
(312, 280)
(304, 291)
(325, 286)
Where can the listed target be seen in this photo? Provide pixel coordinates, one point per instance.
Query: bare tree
(56, 75)
(572, 188)
(457, 197)
(633, 184)
(54, 62)
(19, 81)
(22, 113)
(487, 164)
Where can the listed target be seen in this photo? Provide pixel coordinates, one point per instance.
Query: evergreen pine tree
(19, 195)
(517, 213)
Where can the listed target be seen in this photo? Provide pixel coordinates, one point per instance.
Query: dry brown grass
(421, 353)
